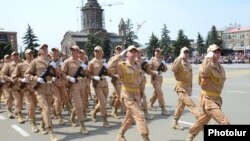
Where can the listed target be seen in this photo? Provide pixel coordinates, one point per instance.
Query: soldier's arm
(112, 64)
(5, 73)
(30, 72)
(150, 70)
(89, 70)
(176, 64)
(16, 73)
(65, 70)
(205, 67)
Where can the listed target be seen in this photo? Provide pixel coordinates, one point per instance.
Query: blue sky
(50, 19)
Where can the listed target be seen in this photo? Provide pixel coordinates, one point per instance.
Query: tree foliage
(153, 44)
(130, 36)
(182, 41)
(30, 40)
(213, 37)
(165, 41)
(200, 45)
(91, 44)
(5, 49)
(106, 47)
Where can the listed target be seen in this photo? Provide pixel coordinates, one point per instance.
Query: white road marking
(194, 96)
(20, 130)
(184, 122)
(230, 91)
(2, 117)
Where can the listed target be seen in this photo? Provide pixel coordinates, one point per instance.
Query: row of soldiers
(56, 81)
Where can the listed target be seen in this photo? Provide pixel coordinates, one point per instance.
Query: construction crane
(139, 27)
(111, 3)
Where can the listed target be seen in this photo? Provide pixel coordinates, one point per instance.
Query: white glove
(209, 55)
(40, 80)
(181, 55)
(72, 79)
(105, 65)
(97, 78)
(24, 80)
(53, 79)
(53, 64)
(156, 72)
(84, 66)
(123, 52)
(3, 81)
(61, 63)
(163, 62)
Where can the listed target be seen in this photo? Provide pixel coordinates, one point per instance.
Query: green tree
(30, 40)
(182, 40)
(200, 44)
(165, 41)
(90, 45)
(5, 49)
(153, 44)
(130, 36)
(106, 47)
(214, 37)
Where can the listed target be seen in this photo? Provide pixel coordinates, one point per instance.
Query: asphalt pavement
(236, 103)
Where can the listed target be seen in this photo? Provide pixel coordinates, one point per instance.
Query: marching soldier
(130, 76)
(70, 67)
(6, 77)
(211, 79)
(6, 60)
(60, 94)
(155, 67)
(115, 80)
(183, 74)
(44, 87)
(26, 88)
(139, 61)
(85, 92)
(96, 71)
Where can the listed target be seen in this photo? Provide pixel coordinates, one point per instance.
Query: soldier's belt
(183, 83)
(207, 93)
(130, 90)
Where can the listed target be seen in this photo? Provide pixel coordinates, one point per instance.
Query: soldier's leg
(58, 104)
(138, 116)
(204, 118)
(152, 100)
(219, 116)
(191, 106)
(76, 96)
(1, 92)
(30, 107)
(9, 99)
(160, 98)
(18, 105)
(117, 103)
(178, 111)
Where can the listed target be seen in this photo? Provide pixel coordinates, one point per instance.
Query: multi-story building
(10, 37)
(237, 38)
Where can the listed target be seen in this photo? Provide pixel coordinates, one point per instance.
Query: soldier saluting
(130, 75)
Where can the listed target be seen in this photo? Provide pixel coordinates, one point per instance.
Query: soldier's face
(217, 54)
(55, 54)
(74, 52)
(132, 54)
(118, 51)
(98, 54)
(157, 54)
(29, 55)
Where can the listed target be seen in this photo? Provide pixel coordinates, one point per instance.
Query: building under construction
(92, 20)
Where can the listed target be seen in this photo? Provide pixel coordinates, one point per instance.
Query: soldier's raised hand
(72, 79)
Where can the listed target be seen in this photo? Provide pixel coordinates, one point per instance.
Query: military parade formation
(54, 82)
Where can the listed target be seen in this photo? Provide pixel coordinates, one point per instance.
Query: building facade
(9, 36)
(92, 23)
(237, 38)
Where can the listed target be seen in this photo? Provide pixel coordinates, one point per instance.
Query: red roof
(237, 29)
